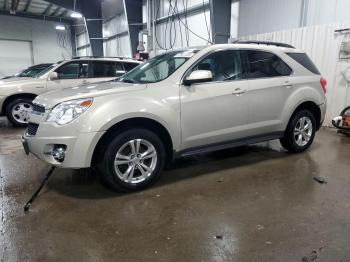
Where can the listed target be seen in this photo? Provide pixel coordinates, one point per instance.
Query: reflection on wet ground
(255, 203)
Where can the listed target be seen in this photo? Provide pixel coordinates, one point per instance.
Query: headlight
(68, 111)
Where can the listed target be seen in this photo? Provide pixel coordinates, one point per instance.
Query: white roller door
(15, 55)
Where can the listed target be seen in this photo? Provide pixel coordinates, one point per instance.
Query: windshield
(31, 72)
(45, 70)
(158, 68)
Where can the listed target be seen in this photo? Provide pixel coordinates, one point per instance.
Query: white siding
(323, 46)
(263, 16)
(260, 16)
(120, 45)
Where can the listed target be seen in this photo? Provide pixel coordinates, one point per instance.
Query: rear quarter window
(305, 61)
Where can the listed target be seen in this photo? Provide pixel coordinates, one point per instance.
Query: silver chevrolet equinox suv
(180, 103)
(17, 94)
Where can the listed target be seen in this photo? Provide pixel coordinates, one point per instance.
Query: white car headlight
(66, 112)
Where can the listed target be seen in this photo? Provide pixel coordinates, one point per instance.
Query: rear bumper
(323, 109)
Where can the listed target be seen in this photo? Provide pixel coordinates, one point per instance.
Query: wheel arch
(16, 96)
(135, 122)
(313, 108)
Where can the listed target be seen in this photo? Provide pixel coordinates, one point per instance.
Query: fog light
(59, 152)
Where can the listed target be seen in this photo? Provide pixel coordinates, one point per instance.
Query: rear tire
(133, 160)
(17, 111)
(300, 132)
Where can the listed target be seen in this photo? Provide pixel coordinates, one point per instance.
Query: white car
(180, 103)
(16, 95)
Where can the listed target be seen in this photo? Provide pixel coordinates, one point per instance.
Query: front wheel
(18, 110)
(300, 132)
(133, 160)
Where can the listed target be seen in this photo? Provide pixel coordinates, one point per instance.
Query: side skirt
(229, 144)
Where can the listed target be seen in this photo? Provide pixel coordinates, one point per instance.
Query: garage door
(14, 56)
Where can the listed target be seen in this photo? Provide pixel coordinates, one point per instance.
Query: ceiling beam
(47, 9)
(56, 11)
(27, 5)
(40, 17)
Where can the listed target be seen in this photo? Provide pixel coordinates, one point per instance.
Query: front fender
(106, 113)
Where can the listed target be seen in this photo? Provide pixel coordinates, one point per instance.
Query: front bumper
(79, 148)
(2, 100)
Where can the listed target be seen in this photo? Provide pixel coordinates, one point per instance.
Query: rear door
(269, 80)
(105, 71)
(69, 74)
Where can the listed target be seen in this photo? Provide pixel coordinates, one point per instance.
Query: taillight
(323, 83)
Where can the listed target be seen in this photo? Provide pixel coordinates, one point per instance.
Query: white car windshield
(159, 67)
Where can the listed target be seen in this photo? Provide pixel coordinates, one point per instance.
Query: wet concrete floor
(255, 203)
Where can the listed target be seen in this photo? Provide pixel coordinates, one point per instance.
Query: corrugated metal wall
(323, 45)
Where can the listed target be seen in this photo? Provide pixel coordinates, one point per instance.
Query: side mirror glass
(53, 76)
(198, 76)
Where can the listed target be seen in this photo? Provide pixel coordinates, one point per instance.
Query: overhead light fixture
(60, 27)
(76, 15)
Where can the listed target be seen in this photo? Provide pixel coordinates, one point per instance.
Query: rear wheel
(300, 132)
(18, 110)
(133, 160)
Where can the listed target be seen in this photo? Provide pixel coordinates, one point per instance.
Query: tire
(300, 140)
(114, 175)
(17, 111)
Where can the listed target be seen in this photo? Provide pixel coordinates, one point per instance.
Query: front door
(70, 74)
(215, 111)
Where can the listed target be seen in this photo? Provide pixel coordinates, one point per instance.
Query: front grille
(38, 109)
(32, 129)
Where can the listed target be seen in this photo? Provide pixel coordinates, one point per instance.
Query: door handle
(238, 92)
(288, 85)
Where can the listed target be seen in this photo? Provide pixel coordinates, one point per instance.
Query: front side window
(73, 70)
(224, 65)
(265, 64)
(106, 69)
(158, 68)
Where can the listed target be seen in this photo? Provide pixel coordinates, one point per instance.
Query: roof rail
(263, 43)
(119, 57)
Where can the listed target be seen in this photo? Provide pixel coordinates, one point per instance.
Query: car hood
(50, 99)
(15, 79)
(19, 84)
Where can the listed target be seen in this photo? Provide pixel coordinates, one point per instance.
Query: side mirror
(53, 76)
(198, 76)
(120, 72)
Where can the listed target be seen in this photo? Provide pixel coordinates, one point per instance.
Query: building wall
(115, 29)
(47, 45)
(193, 30)
(257, 16)
(323, 45)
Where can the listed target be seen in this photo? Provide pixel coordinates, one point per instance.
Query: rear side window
(305, 61)
(106, 69)
(265, 64)
(129, 66)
